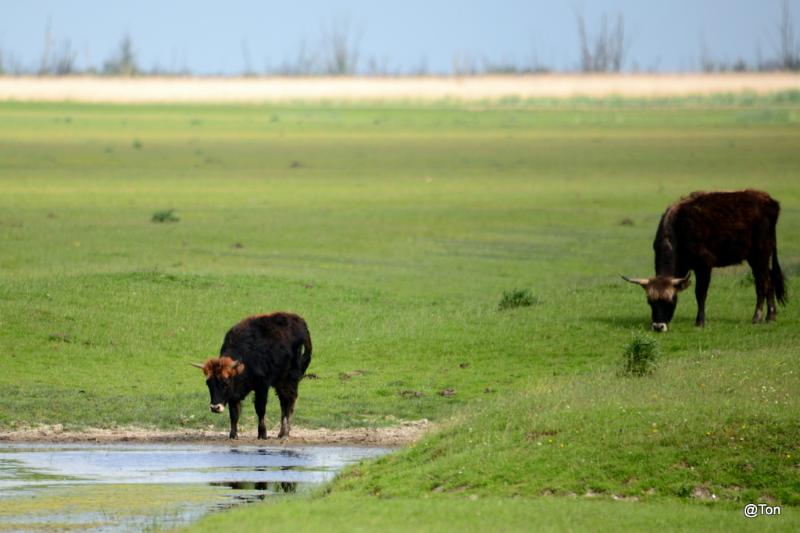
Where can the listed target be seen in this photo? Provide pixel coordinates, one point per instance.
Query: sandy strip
(393, 436)
(348, 89)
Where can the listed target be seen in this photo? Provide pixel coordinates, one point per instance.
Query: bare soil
(394, 436)
(344, 89)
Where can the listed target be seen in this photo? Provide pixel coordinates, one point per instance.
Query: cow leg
(703, 275)
(771, 310)
(261, 411)
(761, 277)
(287, 394)
(235, 408)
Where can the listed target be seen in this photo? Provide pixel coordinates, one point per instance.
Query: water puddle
(140, 487)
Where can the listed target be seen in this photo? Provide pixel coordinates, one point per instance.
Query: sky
(228, 37)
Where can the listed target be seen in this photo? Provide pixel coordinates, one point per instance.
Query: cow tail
(305, 357)
(776, 276)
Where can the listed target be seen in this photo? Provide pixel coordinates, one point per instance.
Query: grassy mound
(716, 427)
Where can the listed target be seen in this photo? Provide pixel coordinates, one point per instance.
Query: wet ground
(140, 487)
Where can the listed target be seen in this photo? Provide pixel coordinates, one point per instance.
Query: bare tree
(59, 61)
(607, 51)
(503, 66)
(339, 49)
(336, 53)
(784, 43)
(248, 68)
(535, 65)
(707, 63)
(44, 66)
(64, 60)
(123, 62)
(789, 48)
(378, 66)
(464, 64)
(9, 64)
(303, 64)
(421, 69)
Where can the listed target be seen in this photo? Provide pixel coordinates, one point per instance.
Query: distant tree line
(337, 53)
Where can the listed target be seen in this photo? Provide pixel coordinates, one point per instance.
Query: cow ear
(682, 283)
(197, 365)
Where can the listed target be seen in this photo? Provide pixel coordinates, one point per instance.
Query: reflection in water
(287, 487)
(278, 487)
(166, 485)
(282, 452)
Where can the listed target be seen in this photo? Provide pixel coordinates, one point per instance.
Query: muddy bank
(392, 436)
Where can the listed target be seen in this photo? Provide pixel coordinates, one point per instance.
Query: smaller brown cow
(714, 229)
(258, 353)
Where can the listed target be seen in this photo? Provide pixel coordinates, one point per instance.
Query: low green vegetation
(346, 513)
(138, 507)
(641, 355)
(517, 298)
(395, 231)
(166, 215)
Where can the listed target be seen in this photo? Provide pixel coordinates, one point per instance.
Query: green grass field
(395, 231)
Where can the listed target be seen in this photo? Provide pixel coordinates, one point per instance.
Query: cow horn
(681, 281)
(638, 281)
(197, 365)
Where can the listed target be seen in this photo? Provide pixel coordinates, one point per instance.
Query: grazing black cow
(258, 353)
(714, 229)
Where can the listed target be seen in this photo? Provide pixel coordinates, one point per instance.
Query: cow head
(662, 295)
(220, 375)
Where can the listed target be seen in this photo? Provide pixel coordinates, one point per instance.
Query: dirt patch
(393, 436)
(352, 89)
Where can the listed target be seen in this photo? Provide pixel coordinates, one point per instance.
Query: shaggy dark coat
(715, 229)
(258, 353)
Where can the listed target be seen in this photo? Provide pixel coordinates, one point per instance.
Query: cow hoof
(233, 436)
(283, 435)
(262, 436)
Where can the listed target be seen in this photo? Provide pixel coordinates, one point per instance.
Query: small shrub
(137, 144)
(517, 298)
(641, 356)
(166, 215)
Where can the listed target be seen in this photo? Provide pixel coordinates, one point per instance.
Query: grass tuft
(517, 298)
(641, 356)
(165, 215)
